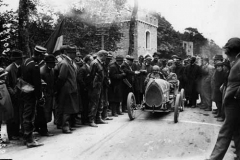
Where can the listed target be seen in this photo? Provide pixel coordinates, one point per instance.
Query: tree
(25, 6)
(132, 28)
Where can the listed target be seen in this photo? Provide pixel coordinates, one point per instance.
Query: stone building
(145, 36)
(188, 47)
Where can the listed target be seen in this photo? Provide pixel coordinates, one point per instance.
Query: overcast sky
(216, 19)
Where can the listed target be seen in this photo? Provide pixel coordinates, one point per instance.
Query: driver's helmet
(156, 68)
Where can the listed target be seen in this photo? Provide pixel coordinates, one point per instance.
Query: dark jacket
(129, 72)
(115, 89)
(67, 87)
(96, 74)
(83, 77)
(11, 81)
(233, 82)
(31, 74)
(218, 81)
(139, 79)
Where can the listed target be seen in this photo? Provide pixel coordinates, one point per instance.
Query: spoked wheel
(131, 106)
(182, 99)
(176, 108)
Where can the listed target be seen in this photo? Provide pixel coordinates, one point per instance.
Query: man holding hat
(45, 115)
(127, 68)
(31, 75)
(231, 126)
(96, 77)
(67, 91)
(11, 82)
(116, 76)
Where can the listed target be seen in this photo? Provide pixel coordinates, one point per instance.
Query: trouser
(115, 106)
(138, 96)
(206, 95)
(29, 112)
(66, 118)
(85, 103)
(58, 113)
(105, 103)
(219, 107)
(229, 129)
(40, 121)
(13, 125)
(95, 103)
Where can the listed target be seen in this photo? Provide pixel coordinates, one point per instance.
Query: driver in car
(156, 74)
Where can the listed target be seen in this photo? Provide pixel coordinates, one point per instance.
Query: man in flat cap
(106, 84)
(155, 60)
(97, 75)
(32, 97)
(116, 76)
(127, 68)
(231, 101)
(13, 74)
(67, 91)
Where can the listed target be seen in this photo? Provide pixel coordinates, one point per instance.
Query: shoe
(217, 116)
(125, 111)
(208, 109)
(233, 146)
(47, 134)
(220, 119)
(72, 129)
(14, 138)
(100, 121)
(115, 115)
(214, 112)
(59, 127)
(120, 113)
(66, 131)
(76, 126)
(92, 124)
(108, 118)
(193, 106)
(203, 107)
(33, 144)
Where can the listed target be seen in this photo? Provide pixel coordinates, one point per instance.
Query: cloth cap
(119, 58)
(128, 57)
(176, 57)
(16, 54)
(40, 49)
(156, 68)
(50, 59)
(156, 54)
(218, 57)
(109, 56)
(102, 53)
(233, 44)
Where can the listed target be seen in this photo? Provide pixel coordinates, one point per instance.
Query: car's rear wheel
(131, 106)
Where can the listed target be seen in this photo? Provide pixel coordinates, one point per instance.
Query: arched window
(147, 40)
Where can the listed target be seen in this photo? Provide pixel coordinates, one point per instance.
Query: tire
(182, 99)
(131, 103)
(176, 108)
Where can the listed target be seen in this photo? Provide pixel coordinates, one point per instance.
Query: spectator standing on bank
(231, 126)
(13, 74)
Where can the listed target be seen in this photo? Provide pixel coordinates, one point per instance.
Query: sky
(218, 20)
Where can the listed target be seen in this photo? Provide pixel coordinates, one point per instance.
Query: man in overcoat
(13, 74)
(116, 76)
(191, 76)
(66, 85)
(83, 78)
(97, 75)
(231, 126)
(127, 68)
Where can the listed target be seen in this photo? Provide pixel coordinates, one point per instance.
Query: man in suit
(66, 85)
(231, 126)
(33, 96)
(96, 89)
(11, 82)
(116, 76)
(44, 113)
(83, 78)
(127, 68)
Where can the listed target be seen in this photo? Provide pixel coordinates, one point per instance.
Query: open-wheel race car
(159, 96)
